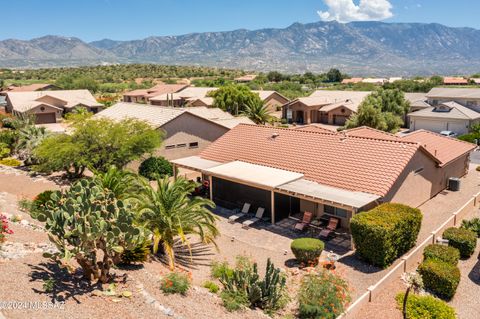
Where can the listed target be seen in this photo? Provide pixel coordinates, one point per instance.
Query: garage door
(459, 128)
(339, 119)
(434, 126)
(44, 118)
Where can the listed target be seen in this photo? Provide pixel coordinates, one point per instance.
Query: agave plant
(169, 213)
(122, 183)
(29, 137)
(257, 112)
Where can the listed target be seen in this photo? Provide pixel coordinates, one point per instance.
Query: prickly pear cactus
(89, 224)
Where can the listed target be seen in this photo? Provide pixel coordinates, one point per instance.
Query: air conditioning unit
(454, 184)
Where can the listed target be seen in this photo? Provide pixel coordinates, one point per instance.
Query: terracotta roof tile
(354, 163)
(365, 131)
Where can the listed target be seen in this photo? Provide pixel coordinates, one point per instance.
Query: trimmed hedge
(463, 239)
(307, 250)
(425, 307)
(155, 167)
(443, 253)
(386, 232)
(474, 223)
(440, 277)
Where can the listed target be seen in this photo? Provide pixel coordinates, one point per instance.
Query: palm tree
(169, 213)
(29, 137)
(414, 282)
(122, 183)
(257, 112)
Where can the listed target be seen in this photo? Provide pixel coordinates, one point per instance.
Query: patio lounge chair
(243, 212)
(307, 219)
(258, 216)
(328, 231)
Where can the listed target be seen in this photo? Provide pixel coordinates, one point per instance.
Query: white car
(448, 133)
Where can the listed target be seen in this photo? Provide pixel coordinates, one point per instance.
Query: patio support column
(273, 207)
(175, 172)
(210, 186)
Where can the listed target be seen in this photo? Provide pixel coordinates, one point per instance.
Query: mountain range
(357, 48)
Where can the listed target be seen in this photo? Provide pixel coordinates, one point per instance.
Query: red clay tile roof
(454, 80)
(365, 131)
(353, 163)
(28, 88)
(314, 128)
(156, 90)
(445, 149)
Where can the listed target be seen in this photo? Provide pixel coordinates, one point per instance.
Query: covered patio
(285, 195)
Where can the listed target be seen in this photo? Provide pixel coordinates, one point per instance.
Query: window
(193, 145)
(418, 170)
(335, 211)
(181, 145)
(169, 147)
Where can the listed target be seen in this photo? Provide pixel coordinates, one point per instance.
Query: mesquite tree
(87, 223)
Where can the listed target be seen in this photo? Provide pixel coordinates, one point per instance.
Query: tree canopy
(97, 144)
(383, 110)
(235, 98)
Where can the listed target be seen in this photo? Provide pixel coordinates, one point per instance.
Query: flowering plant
(4, 228)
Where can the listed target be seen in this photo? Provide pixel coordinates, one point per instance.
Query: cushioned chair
(307, 219)
(258, 216)
(242, 213)
(330, 229)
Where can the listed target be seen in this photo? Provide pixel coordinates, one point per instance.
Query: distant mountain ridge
(358, 48)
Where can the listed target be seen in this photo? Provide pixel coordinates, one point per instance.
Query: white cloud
(346, 10)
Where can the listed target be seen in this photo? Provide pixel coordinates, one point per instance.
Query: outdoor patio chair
(307, 219)
(243, 212)
(329, 230)
(258, 216)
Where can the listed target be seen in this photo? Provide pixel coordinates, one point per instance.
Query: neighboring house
(143, 95)
(184, 97)
(290, 171)
(30, 88)
(324, 106)
(418, 101)
(376, 81)
(394, 79)
(272, 99)
(454, 81)
(188, 130)
(447, 116)
(49, 106)
(245, 78)
(469, 97)
(352, 80)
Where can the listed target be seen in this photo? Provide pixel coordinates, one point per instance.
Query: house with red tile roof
(144, 95)
(291, 171)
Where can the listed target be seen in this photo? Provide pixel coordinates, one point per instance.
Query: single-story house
(272, 99)
(455, 81)
(469, 97)
(48, 106)
(376, 81)
(187, 130)
(30, 88)
(352, 80)
(143, 95)
(324, 106)
(418, 101)
(182, 98)
(245, 78)
(290, 171)
(446, 116)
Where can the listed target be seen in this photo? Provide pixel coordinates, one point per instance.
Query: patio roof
(328, 193)
(195, 163)
(252, 174)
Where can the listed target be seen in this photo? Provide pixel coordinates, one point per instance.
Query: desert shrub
(8, 137)
(322, 295)
(4, 150)
(386, 232)
(268, 294)
(440, 277)
(462, 239)
(10, 162)
(175, 283)
(211, 286)
(155, 167)
(234, 300)
(8, 122)
(39, 202)
(307, 250)
(425, 307)
(220, 269)
(472, 225)
(443, 253)
(4, 228)
(138, 254)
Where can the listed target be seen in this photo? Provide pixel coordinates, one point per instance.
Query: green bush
(8, 137)
(220, 269)
(155, 167)
(425, 307)
(211, 286)
(4, 150)
(386, 232)
(41, 199)
(307, 250)
(470, 137)
(175, 283)
(322, 295)
(138, 254)
(234, 300)
(10, 162)
(440, 277)
(472, 224)
(447, 254)
(462, 239)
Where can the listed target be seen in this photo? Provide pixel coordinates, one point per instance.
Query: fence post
(433, 237)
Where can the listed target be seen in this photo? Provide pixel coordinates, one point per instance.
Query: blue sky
(134, 19)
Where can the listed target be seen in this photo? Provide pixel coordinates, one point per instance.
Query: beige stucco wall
(47, 109)
(317, 210)
(274, 101)
(413, 189)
